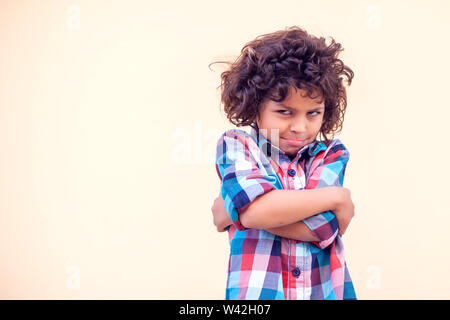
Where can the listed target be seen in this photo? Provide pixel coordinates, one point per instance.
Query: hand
(221, 218)
(345, 209)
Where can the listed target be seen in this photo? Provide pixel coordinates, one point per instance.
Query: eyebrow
(287, 107)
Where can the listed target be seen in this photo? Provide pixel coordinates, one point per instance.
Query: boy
(279, 183)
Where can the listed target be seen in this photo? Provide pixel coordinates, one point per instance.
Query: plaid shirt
(266, 266)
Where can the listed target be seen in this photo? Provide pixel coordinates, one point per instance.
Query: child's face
(300, 122)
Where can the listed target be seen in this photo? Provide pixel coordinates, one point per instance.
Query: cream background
(109, 117)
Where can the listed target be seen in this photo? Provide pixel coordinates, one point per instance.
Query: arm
(330, 172)
(279, 208)
(297, 230)
(250, 196)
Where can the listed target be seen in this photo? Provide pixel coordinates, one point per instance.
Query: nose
(298, 125)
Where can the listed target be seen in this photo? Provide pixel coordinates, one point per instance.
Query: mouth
(297, 143)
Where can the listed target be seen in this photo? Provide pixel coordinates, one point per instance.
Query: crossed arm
(249, 198)
(287, 203)
(297, 231)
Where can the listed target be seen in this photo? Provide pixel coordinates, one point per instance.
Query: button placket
(296, 272)
(291, 172)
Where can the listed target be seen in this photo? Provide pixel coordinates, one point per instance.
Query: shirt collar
(264, 144)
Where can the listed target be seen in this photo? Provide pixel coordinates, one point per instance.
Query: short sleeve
(242, 179)
(330, 172)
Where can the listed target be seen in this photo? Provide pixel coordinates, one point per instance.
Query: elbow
(246, 218)
(253, 218)
(253, 215)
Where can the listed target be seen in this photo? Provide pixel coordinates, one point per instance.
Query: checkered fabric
(264, 266)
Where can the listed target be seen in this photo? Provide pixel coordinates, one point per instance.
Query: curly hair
(272, 63)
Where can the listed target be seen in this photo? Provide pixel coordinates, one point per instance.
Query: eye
(281, 112)
(316, 113)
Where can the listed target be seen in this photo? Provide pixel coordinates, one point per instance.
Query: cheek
(315, 128)
(272, 122)
(320, 122)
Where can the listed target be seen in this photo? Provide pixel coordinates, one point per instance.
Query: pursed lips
(294, 142)
(293, 139)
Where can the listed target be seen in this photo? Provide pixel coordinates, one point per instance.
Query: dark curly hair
(272, 63)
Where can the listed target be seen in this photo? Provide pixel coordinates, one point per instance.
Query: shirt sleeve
(242, 179)
(329, 173)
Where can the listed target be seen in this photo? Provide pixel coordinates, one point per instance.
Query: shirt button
(291, 172)
(296, 272)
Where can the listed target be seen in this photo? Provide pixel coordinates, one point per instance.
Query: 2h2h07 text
(233, 309)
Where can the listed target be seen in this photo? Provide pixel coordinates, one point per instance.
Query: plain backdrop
(109, 118)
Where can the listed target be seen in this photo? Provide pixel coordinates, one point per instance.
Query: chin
(291, 152)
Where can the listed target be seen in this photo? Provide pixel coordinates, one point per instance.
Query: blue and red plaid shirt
(262, 265)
